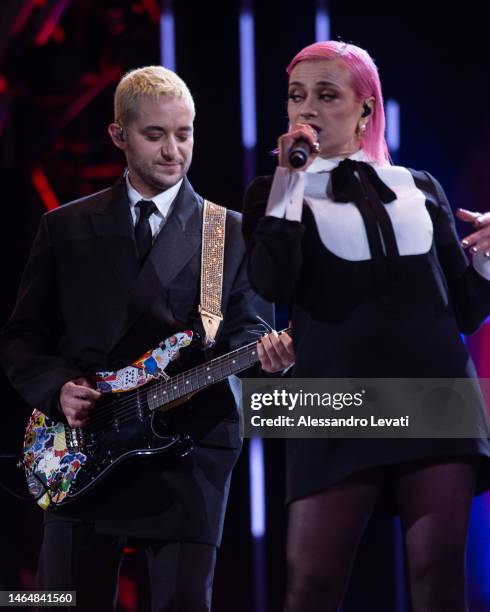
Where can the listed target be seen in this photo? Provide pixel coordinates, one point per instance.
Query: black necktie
(143, 235)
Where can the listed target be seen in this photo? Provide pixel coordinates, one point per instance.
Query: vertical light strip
(392, 111)
(257, 520)
(247, 81)
(167, 36)
(478, 560)
(256, 447)
(322, 21)
(257, 487)
(249, 141)
(478, 557)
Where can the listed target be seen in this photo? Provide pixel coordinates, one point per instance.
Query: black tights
(434, 501)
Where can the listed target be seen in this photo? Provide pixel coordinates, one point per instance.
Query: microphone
(300, 151)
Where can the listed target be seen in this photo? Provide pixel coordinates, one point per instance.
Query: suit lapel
(113, 226)
(176, 244)
(179, 238)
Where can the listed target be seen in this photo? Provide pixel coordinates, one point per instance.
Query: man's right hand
(77, 399)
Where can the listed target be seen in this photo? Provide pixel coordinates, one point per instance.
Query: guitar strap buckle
(212, 257)
(211, 323)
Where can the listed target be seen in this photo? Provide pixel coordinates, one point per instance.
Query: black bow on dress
(358, 182)
(347, 188)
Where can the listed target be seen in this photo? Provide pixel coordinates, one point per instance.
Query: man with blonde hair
(111, 275)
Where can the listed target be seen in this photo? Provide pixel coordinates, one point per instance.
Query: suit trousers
(75, 558)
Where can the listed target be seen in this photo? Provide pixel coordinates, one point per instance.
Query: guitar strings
(220, 362)
(129, 413)
(129, 407)
(135, 399)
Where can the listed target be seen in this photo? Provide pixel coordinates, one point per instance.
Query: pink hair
(366, 83)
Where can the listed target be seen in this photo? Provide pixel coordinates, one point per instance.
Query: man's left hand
(479, 240)
(275, 351)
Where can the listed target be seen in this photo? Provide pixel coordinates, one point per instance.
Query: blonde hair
(147, 82)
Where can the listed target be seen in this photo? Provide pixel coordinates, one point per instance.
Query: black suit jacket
(84, 304)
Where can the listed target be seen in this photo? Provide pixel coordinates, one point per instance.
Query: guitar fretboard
(202, 376)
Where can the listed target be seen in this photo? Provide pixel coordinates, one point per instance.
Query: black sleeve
(29, 342)
(274, 246)
(246, 315)
(469, 291)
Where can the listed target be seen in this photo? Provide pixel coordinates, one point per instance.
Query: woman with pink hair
(367, 256)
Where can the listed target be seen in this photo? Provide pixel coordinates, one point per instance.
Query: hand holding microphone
(299, 147)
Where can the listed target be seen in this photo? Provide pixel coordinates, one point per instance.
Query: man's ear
(116, 132)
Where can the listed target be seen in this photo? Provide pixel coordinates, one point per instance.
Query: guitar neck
(202, 376)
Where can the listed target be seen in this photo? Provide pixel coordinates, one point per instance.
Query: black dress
(368, 258)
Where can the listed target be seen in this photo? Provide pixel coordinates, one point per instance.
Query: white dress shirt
(163, 201)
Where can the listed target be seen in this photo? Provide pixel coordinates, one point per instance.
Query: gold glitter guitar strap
(213, 249)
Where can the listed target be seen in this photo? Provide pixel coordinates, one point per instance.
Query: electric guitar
(62, 463)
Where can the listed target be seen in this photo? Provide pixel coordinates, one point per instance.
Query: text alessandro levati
(304, 400)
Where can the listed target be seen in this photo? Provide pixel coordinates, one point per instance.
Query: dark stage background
(59, 63)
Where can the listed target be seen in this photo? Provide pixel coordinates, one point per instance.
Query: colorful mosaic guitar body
(51, 463)
(63, 463)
